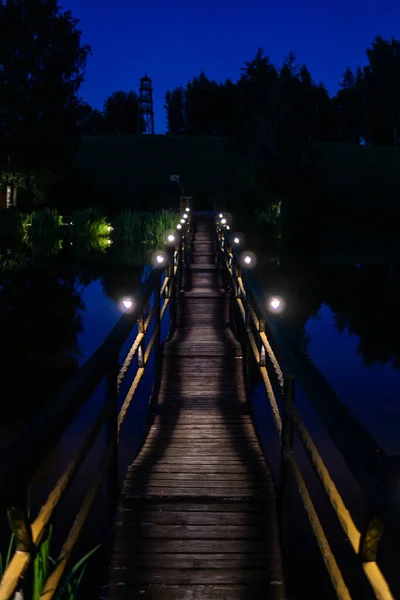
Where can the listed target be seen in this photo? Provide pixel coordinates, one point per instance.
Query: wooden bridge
(196, 517)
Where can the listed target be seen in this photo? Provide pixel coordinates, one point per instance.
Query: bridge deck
(196, 518)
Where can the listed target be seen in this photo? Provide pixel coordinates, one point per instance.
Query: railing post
(173, 288)
(112, 439)
(370, 538)
(141, 348)
(181, 265)
(286, 451)
(157, 320)
(261, 329)
(17, 513)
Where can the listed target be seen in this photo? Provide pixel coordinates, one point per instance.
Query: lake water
(345, 317)
(55, 310)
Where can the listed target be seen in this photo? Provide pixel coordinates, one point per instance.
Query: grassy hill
(136, 171)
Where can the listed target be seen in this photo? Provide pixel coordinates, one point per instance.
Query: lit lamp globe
(170, 238)
(248, 260)
(185, 216)
(187, 209)
(179, 226)
(127, 303)
(276, 304)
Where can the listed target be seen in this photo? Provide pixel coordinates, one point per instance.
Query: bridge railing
(27, 452)
(281, 364)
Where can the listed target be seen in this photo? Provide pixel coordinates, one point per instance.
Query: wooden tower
(146, 110)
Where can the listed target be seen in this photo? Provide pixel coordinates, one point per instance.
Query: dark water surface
(55, 310)
(345, 317)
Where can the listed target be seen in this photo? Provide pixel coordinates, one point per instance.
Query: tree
(121, 112)
(382, 77)
(90, 120)
(42, 63)
(174, 105)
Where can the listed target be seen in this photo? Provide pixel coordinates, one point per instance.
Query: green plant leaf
(73, 572)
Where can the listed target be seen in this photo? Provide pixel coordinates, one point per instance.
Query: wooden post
(172, 291)
(286, 451)
(17, 513)
(112, 439)
(261, 329)
(141, 348)
(157, 320)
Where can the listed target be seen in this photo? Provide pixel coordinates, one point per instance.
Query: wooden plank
(179, 576)
(166, 517)
(197, 518)
(199, 592)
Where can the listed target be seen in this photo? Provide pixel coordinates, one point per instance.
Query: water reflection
(364, 301)
(46, 286)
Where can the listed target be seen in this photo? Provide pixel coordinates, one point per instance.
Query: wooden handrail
(377, 474)
(22, 457)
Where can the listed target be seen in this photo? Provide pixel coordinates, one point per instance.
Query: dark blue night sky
(172, 41)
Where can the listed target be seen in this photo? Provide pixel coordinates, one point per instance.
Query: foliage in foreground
(43, 222)
(145, 227)
(42, 566)
(90, 222)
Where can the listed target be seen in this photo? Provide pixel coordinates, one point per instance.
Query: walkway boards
(196, 518)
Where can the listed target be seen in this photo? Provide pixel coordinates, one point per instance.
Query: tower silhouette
(146, 110)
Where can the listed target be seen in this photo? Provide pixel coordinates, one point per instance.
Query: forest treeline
(284, 103)
(271, 115)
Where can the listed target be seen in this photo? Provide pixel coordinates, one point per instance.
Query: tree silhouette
(174, 104)
(42, 63)
(121, 112)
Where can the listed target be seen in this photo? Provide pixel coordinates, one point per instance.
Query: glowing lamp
(220, 215)
(187, 209)
(160, 259)
(236, 240)
(171, 238)
(223, 221)
(182, 221)
(227, 227)
(127, 303)
(247, 259)
(275, 303)
(179, 226)
(185, 216)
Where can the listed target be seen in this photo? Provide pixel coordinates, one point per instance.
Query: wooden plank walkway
(196, 518)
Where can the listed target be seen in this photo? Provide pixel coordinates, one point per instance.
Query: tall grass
(135, 227)
(43, 222)
(90, 222)
(43, 564)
